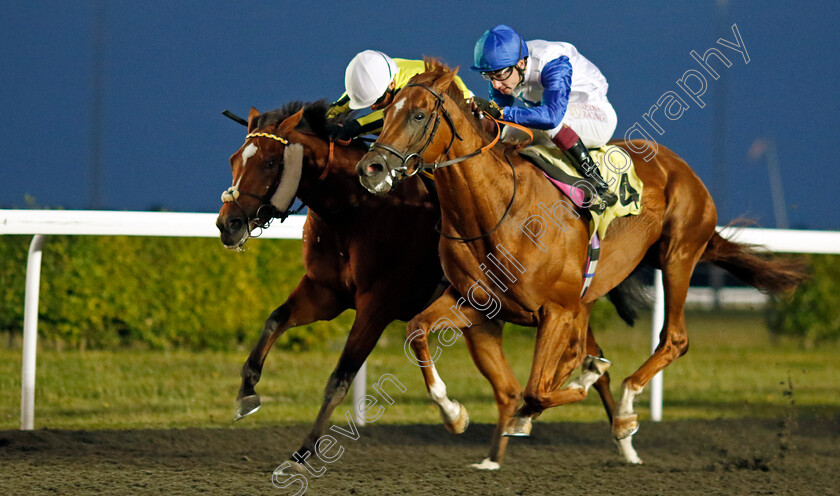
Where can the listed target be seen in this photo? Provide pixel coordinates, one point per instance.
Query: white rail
(111, 223)
(775, 240)
(108, 223)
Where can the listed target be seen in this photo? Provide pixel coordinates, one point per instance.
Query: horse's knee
(280, 315)
(535, 401)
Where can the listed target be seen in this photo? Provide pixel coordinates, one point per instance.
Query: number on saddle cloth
(619, 173)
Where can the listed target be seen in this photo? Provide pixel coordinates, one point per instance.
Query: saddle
(616, 167)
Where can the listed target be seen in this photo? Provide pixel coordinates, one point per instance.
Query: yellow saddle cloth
(616, 168)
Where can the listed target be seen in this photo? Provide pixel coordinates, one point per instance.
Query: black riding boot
(583, 162)
(568, 140)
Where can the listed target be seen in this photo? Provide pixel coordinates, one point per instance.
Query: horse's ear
(252, 119)
(444, 81)
(291, 122)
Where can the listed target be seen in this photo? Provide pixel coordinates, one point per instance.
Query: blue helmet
(498, 48)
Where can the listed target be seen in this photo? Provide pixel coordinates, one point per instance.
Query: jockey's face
(385, 99)
(507, 85)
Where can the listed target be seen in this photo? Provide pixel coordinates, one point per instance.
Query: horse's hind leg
(678, 259)
(485, 345)
(309, 302)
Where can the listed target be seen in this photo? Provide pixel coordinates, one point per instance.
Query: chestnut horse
(358, 251)
(491, 203)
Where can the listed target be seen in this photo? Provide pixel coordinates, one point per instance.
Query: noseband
(266, 210)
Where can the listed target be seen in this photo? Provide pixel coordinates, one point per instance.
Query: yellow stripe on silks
(621, 168)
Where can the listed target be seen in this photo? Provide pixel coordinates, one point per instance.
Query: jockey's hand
(489, 106)
(343, 132)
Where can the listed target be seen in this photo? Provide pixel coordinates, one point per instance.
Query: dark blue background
(172, 67)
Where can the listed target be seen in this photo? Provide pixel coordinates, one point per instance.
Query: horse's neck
(471, 188)
(331, 191)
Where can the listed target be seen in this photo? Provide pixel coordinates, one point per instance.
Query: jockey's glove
(343, 132)
(488, 106)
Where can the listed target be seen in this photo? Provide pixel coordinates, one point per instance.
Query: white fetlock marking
(585, 380)
(486, 464)
(625, 405)
(451, 409)
(625, 447)
(591, 370)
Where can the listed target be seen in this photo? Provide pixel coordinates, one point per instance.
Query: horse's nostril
(375, 168)
(234, 225)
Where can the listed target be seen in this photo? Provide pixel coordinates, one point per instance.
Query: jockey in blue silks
(564, 94)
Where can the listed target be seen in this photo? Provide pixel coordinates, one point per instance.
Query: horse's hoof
(460, 424)
(246, 406)
(518, 427)
(625, 426)
(625, 447)
(486, 464)
(288, 468)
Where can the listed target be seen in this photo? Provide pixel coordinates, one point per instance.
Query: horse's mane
(435, 69)
(314, 117)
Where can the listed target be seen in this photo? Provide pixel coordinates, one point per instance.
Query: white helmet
(367, 77)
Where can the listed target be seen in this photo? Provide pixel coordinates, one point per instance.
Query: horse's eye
(270, 164)
(419, 116)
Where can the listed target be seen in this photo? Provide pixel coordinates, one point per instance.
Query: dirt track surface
(735, 457)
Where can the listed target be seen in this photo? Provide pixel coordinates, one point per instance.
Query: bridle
(266, 212)
(404, 171)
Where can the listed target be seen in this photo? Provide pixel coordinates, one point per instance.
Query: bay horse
(358, 252)
(492, 202)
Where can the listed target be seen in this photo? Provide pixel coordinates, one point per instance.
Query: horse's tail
(629, 298)
(771, 274)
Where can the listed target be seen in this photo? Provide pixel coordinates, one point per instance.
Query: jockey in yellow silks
(563, 92)
(371, 80)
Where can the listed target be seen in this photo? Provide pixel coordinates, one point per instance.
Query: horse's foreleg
(446, 310)
(370, 321)
(309, 302)
(561, 336)
(485, 345)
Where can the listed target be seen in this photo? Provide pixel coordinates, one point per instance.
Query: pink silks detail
(577, 195)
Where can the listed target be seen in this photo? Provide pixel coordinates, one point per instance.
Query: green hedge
(111, 291)
(812, 314)
(107, 291)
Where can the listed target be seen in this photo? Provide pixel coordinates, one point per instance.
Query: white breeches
(594, 121)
